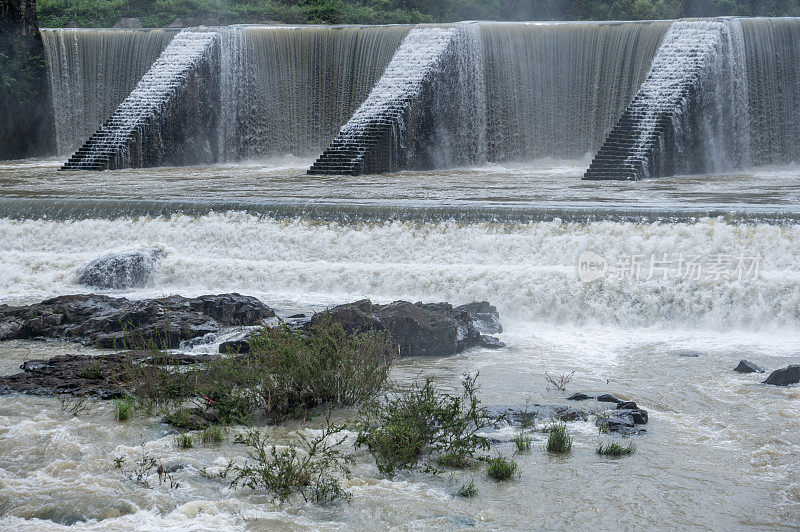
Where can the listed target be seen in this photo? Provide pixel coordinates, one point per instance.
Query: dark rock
(105, 321)
(785, 376)
(627, 405)
(100, 376)
(579, 397)
(619, 421)
(26, 108)
(484, 316)
(431, 329)
(296, 316)
(640, 416)
(747, 367)
(235, 346)
(527, 414)
(608, 398)
(123, 270)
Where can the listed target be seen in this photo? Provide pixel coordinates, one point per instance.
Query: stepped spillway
(171, 115)
(651, 139)
(404, 122)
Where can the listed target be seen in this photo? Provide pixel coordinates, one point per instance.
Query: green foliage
(559, 440)
(184, 441)
(91, 372)
(468, 490)
(501, 468)
(286, 374)
(310, 469)
(523, 442)
(615, 449)
(123, 407)
(212, 434)
(154, 13)
(402, 427)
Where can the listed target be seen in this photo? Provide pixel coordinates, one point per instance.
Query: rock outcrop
(785, 376)
(746, 366)
(26, 109)
(109, 322)
(419, 329)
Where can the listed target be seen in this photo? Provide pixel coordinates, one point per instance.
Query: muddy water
(721, 449)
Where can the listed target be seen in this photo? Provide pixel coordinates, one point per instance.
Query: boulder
(122, 270)
(484, 316)
(419, 329)
(608, 398)
(579, 397)
(747, 367)
(622, 421)
(110, 322)
(785, 376)
(235, 346)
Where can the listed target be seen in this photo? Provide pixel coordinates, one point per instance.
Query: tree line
(157, 13)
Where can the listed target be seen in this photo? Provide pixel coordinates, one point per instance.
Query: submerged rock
(109, 322)
(579, 397)
(785, 376)
(687, 353)
(419, 329)
(122, 270)
(747, 367)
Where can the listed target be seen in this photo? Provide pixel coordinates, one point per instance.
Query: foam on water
(527, 270)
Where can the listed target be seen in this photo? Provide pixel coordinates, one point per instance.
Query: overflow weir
(642, 99)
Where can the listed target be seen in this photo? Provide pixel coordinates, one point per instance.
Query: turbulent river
(720, 450)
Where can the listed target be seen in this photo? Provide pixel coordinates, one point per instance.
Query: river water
(721, 449)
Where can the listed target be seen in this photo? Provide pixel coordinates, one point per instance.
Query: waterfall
(772, 51)
(556, 89)
(290, 89)
(91, 72)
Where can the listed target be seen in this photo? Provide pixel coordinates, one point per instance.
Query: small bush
(91, 372)
(523, 442)
(501, 468)
(123, 408)
(559, 440)
(310, 469)
(615, 449)
(212, 434)
(468, 490)
(559, 382)
(184, 441)
(402, 427)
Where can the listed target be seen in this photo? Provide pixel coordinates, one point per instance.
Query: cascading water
(91, 72)
(290, 89)
(555, 90)
(772, 52)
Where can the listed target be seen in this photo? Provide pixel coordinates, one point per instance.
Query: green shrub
(468, 490)
(523, 442)
(559, 440)
(123, 407)
(402, 427)
(91, 372)
(615, 449)
(212, 434)
(501, 468)
(184, 441)
(310, 469)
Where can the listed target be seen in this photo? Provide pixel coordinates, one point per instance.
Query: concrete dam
(641, 99)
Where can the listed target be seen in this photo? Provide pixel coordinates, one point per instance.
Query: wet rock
(297, 316)
(627, 405)
(608, 398)
(579, 397)
(528, 414)
(100, 376)
(105, 321)
(421, 329)
(746, 366)
(484, 316)
(785, 376)
(619, 421)
(191, 419)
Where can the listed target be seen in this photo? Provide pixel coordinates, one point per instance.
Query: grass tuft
(501, 468)
(213, 434)
(184, 441)
(559, 440)
(523, 442)
(468, 490)
(615, 449)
